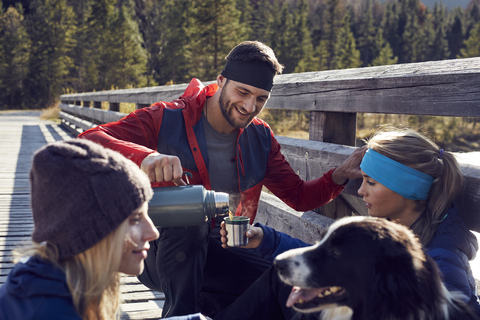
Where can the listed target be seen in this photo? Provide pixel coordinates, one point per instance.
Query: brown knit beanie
(80, 192)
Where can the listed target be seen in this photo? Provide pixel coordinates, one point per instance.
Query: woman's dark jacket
(36, 290)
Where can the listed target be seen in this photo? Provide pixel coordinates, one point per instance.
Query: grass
(455, 134)
(51, 113)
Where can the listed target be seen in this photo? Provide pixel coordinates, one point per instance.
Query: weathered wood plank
(307, 226)
(22, 134)
(142, 306)
(447, 88)
(75, 121)
(90, 116)
(147, 314)
(140, 96)
(6, 265)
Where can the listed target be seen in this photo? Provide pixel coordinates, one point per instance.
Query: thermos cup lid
(237, 220)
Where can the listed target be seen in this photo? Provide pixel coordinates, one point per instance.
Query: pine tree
(262, 21)
(77, 80)
(97, 51)
(410, 40)
(214, 29)
(366, 36)
(439, 44)
(173, 57)
(285, 39)
(385, 55)
(472, 16)
(331, 23)
(303, 50)
(472, 44)
(410, 48)
(390, 27)
(455, 32)
(315, 22)
(148, 13)
(14, 55)
(51, 28)
(246, 16)
(273, 25)
(473, 10)
(347, 55)
(322, 56)
(126, 60)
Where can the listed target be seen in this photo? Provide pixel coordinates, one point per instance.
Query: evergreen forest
(51, 47)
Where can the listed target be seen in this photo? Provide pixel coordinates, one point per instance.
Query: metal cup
(237, 231)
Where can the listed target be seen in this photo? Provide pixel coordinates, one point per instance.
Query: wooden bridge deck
(22, 133)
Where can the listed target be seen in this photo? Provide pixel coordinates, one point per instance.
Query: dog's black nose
(280, 264)
(283, 267)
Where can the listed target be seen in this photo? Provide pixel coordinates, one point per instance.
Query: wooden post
(338, 128)
(333, 127)
(114, 106)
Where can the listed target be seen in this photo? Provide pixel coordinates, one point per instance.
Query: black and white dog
(367, 268)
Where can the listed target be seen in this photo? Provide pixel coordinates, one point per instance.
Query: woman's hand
(254, 235)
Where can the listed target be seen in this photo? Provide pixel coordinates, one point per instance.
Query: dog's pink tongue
(299, 293)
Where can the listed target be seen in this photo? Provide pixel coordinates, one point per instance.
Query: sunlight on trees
(60, 46)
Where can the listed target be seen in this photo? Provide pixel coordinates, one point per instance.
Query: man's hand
(163, 168)
(254, 235)
(350, 168)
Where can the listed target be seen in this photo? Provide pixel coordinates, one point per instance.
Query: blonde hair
(420, 153)
(92, 276)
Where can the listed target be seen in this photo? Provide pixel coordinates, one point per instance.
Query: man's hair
(255, 51)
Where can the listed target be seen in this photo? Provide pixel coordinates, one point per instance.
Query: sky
(450, 4)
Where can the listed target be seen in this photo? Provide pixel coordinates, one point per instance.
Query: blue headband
(408, 182)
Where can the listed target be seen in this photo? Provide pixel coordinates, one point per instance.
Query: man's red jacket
(174, 128)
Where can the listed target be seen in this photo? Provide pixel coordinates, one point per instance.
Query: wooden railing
(333, 98)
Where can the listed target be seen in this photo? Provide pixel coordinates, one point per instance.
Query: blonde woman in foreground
(89, 208)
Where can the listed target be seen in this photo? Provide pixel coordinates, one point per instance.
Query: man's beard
(227, 113)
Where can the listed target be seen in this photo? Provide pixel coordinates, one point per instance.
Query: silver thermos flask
(186, 205)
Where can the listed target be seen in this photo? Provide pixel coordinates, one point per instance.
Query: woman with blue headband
(406, 178)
